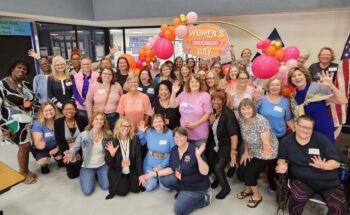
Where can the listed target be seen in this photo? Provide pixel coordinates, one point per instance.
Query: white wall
(310, 30)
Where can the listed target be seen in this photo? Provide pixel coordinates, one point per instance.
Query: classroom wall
(311, 30)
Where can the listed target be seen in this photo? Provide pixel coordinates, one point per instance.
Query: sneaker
(45, 169)
(208, 197)
(215, 184)
(223, 193)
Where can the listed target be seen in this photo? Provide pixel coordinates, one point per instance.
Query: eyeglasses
(304, 127)
(125, 126)
(243, 78)
(210, 78)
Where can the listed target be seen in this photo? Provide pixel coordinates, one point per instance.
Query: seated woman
(160, 141)
(187, 174)
(313, 166)
(44, 137)
(125, 164)
(223, 142)
(67, 129)
(94, 165)
(260, 148)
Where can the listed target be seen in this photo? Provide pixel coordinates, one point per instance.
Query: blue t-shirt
(191, 178)
(299, 159)
(48, 134)
(276, 114)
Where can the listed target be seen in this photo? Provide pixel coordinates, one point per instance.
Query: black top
(59, 91)
(315, 70)
(148, 90)
(121, 79)
(299, 159)
(191, 178)
(172, 114)
(227, 127)
(59, 131)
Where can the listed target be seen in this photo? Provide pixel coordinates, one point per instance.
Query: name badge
(150, 91)
(278, 109)
(314, 151)
(183, 104)
(68, 84)
(48, 134)
(332, 69)
(178, 174)
(187, 159)
(125, 163)
(162, 142)
(139, 89)
(101, 91)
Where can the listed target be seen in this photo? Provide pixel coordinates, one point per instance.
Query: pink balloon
(291, 52)
(163, 48)
(161, 34)
(142, 58)
(181, 31)
(283, 74)
(291, 63)
(259, 45)
(149, 67)
(266, 43)
(191, 17)
(139, 64)
(265, 66)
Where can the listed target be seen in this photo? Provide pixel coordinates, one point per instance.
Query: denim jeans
(186, 201)
(88, 178)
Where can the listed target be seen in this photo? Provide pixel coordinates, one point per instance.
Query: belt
(157, 155)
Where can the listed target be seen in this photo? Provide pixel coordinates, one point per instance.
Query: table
(8, 177)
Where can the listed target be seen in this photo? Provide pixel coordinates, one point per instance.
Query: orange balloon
(136, 71)
(148, 59)
(164, 27)
(176, 21)
(270, 51)
(287, 91)
(142, 52)
(131, 60)
(172, 28)
(168, 34)
(150, 53)
(279, 54)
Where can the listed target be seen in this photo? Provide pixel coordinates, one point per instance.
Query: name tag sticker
(48, 134)
(68, 84)
(184, 104)
(278, 109)
(139, 89)
(314, 151)
(162, 142)
(332, 69)
(101, 91)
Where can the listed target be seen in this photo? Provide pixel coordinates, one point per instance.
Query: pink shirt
(135, 107)
(192, 108)
(97, 95)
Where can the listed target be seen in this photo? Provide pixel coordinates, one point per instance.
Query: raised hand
(111, 149)
(326, 79)
(175, 87)
(230, 90)
(141, 126)
(33, 54)
(200, 150)
(112, 50)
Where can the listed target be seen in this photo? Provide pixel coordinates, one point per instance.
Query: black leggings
(250, 173)
(125, 184)
(300, 194)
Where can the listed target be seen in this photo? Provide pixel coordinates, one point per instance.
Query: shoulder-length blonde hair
(41, 117)
(56, 60)
(105, 128)
(118, 125)
(202, 85)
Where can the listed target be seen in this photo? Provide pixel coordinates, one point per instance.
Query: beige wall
(309, 30)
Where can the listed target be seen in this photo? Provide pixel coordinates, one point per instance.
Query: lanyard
(124, 147)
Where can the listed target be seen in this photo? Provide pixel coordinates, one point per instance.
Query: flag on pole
(339, 112)
(274, 35)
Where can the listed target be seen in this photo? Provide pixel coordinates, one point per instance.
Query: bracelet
(234, 150)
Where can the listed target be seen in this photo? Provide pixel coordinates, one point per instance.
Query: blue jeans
(186, 201)
(88, 179)
(198, 142)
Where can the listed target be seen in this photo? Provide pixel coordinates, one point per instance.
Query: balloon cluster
(161, 45)
(275, 60)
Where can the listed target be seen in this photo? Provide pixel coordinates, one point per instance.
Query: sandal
(243, 195)
(254, 203)
(29, 179)
(32, 175)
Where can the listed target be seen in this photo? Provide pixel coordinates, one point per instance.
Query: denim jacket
(40, 88)
(84, 141)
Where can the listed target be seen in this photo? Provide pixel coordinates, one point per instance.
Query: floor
(56, 194)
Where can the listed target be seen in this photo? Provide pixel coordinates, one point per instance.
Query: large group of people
(175, 125)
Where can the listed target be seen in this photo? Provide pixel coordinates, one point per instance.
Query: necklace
(164, 103)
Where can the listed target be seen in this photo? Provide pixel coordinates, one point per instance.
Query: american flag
(339, 112)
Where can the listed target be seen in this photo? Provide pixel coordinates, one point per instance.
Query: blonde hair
(41, 117)
(56, 60)
(216, 80)
(118, 124)
(105, 129)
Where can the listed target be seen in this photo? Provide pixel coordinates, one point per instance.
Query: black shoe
(45, 169)
(215, 184)
(223, 193)
(60, 163)
(273, 187)
(110, 196)
(231, 171)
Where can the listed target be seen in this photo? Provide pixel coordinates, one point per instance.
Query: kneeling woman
(187, 174)
(123, 156)
(44, 137)
(90, 141)
(160, 141)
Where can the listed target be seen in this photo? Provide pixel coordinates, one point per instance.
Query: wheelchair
(283, 192)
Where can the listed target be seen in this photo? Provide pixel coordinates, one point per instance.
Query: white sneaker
(208, 198)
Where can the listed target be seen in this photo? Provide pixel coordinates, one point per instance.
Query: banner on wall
(15, 28)
(206, 40)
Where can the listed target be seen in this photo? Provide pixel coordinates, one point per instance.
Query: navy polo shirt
(191, 178)
(299, 159)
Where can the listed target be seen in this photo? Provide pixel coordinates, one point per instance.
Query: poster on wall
(43, 52)
(136, 43)
(56, 51)
(100, 52)
(13, 27)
